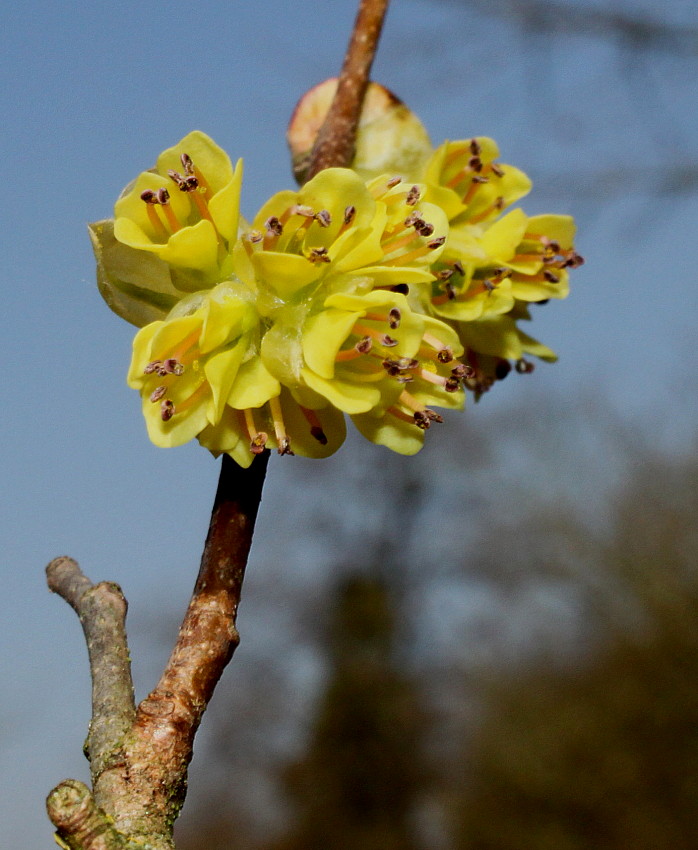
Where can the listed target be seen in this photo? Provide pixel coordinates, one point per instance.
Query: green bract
(383, 299)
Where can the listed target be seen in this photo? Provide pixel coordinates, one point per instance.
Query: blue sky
(94, 91)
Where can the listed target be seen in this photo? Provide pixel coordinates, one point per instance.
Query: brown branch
(334, 145)
(139, 757)
(102, 612)
(80, 825)
(152, 793)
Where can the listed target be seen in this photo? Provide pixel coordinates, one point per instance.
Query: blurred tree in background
(603, 752)
(359, 781)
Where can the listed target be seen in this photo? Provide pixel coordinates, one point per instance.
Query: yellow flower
(336, 225)
(374, 358)
(469, 184)
(381, 300)
(186, 210)
(280, 422)
(186, 366)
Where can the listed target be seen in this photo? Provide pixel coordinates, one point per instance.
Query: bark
(334, 145)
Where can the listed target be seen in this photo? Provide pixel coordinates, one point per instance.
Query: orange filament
(407, 258)
(393, 244)
(203, 182)
(470, 194)
(433, 342)
(193, 398)
(312, 417)
(202, 206)
(522, 257)
(394, 199)
(459, 176)
(278, 420)
(185, 345)
(171, 218)
(348, 354)
(411, 402)
(363, 330)
(432, 377)
(454, 155)
(493, 207)
(400, 414)
(156, 221)
(250, 424)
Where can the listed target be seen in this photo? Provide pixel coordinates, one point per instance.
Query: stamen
(163, 197)
(258, 443)
(443, 352)
(400, 414)
(203, 208)
(153, 366)
(390, 247)
(151, 200)
(413, 196)
(550, 277)
(475, 184)
(274, 228)
(432, 377)
(349, 214)
(158, 393)
(462, 370)
(167, 410)
(524, 367)
(273, 225)
(184, 184)
(497, 206)
(363, 346)
(418, 252)
(282, 440)
(502, 369)
(393, 182)
(302, 210)
(187, 164)
(382, 338)
(475, 147)
(323, 218)
(457, 154)
(397, 368)
(394, 317)
(574, 260)
(315, 426)
(318, 255)
(258, 439)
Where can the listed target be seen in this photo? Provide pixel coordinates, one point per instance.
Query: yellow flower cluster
(381, 299)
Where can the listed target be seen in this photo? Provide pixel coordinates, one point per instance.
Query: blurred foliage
(604, 752)
(358, 782)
